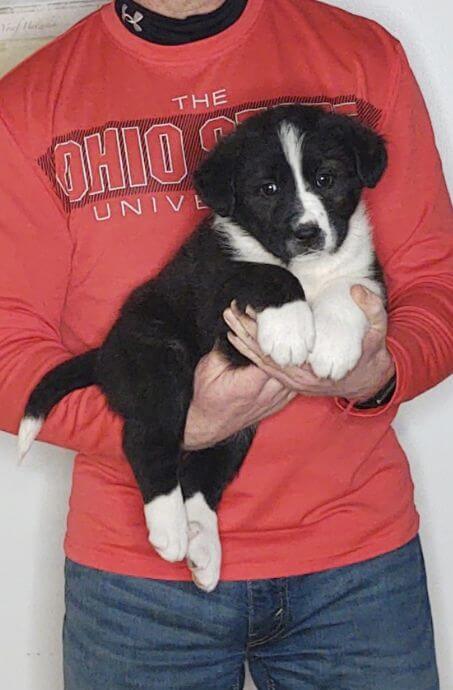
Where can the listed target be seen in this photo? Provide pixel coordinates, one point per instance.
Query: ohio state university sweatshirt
(100, 132)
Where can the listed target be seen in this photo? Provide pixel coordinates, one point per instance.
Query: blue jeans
(360, 627)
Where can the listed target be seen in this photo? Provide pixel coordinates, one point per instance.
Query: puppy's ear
(215, 178)
(370, 154)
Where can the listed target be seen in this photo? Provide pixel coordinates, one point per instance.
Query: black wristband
(382, 397)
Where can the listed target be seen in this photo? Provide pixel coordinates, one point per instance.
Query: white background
(33, 500)
(41, 19)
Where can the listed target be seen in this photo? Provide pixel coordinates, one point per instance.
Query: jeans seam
(286, 611)
(264, 640)
(283, 608)
(270, 681)
(251, 611)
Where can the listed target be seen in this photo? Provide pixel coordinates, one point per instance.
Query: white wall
(33, 499)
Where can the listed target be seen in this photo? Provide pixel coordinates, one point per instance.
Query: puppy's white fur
(312, 209)
(340, 325)
(243, 246)
(286, 333)
(204, 553)
(28, 430)
(167, 525)
(326, 278)
(350, 262)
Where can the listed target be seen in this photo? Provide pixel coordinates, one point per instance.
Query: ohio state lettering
(158, 155)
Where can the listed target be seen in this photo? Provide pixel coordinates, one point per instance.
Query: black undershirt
(156, 28)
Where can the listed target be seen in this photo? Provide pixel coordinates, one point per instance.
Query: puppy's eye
(324, 180)
(269, 189)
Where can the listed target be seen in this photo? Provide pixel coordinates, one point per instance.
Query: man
(323, 584)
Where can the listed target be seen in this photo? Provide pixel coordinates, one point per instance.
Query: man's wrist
(384, 387)
(382, 397)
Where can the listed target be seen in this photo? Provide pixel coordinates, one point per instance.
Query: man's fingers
(250, 312)
(265, 365)
(372, 306)
(243, 326)
(245, 349)
(246, 329)
(248, 341)
(272, 386)
(247, 320)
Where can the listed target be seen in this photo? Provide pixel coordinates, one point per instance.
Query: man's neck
(179, 9)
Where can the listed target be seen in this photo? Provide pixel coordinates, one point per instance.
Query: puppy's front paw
(167, 524)
(286, 333)
(338, 341)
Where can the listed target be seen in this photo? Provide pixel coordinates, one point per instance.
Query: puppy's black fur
(146, 364)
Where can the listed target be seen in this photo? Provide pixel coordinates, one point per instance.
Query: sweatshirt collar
(157, 28)
(199, 51)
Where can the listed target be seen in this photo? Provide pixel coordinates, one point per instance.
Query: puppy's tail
(77, 372)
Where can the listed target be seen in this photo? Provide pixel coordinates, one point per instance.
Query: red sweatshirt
(100, 131)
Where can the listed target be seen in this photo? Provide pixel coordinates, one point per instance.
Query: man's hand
(228, 399)
(374, 369)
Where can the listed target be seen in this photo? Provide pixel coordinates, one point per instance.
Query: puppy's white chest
(312, 282)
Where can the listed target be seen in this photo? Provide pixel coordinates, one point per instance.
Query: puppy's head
(292, 178)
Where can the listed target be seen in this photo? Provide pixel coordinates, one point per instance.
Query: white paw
(167, 524)
(286, 333)
(338, 341)
(204, 555)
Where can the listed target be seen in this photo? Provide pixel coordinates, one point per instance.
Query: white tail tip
(28, 430)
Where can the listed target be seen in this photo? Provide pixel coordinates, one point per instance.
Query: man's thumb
(371, 305)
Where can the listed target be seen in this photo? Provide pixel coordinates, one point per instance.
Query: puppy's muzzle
(307, 231)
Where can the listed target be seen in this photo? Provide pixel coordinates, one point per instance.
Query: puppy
(288, 236)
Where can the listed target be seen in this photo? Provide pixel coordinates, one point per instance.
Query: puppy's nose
(306, 231)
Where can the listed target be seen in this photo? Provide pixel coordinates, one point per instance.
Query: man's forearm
(199, 431)
(420, 337)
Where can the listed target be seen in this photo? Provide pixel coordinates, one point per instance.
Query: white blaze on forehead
(312, 208)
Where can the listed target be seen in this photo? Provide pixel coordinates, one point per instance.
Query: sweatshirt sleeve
(35, 251)
(413, 229)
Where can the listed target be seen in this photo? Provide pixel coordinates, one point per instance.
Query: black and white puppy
(288, 236)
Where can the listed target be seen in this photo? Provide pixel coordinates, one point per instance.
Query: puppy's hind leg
(204, 475)
(154, 463)
(152, 443)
